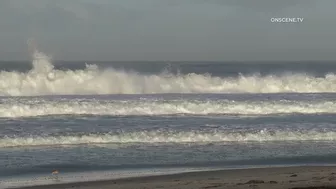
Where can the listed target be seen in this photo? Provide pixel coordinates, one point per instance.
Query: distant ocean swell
(161, 137)
(30, 107)
(43, 79)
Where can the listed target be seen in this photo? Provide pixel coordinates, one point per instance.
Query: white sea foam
(14, 107)
(43, 79)
(157, 137)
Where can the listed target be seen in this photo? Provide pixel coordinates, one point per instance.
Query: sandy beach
(277, 178)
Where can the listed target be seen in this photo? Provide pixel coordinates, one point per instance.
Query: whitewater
(30, 107)
(164, 137)
(44, 79)
(80, 117)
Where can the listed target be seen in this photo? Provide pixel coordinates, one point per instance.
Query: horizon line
(179, 61)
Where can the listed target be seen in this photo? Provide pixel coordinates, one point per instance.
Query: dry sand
(263, 178)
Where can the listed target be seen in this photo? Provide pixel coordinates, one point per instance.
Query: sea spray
(44, 79)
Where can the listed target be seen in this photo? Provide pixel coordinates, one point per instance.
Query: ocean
(95, 120)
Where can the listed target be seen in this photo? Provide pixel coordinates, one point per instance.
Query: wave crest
(157, 137)
(14, 107)
(44, 79)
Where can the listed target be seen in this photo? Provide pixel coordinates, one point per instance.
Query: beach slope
(277, 178)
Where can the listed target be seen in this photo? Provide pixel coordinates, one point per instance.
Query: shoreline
(269, 177)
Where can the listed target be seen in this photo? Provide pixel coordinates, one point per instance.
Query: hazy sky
(169, 30)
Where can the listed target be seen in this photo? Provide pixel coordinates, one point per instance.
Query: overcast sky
(169, 30)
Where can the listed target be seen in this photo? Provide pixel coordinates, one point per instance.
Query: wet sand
(264, 178)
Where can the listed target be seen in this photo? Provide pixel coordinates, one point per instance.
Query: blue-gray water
(127, 116)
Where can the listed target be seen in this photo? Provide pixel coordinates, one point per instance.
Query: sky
(169, 30)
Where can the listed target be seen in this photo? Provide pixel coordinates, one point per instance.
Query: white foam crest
(43, 79)
(156, 137)
(40, 107)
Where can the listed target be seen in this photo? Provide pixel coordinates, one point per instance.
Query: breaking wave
(157, 137)
(44, 79)
(17, 107)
